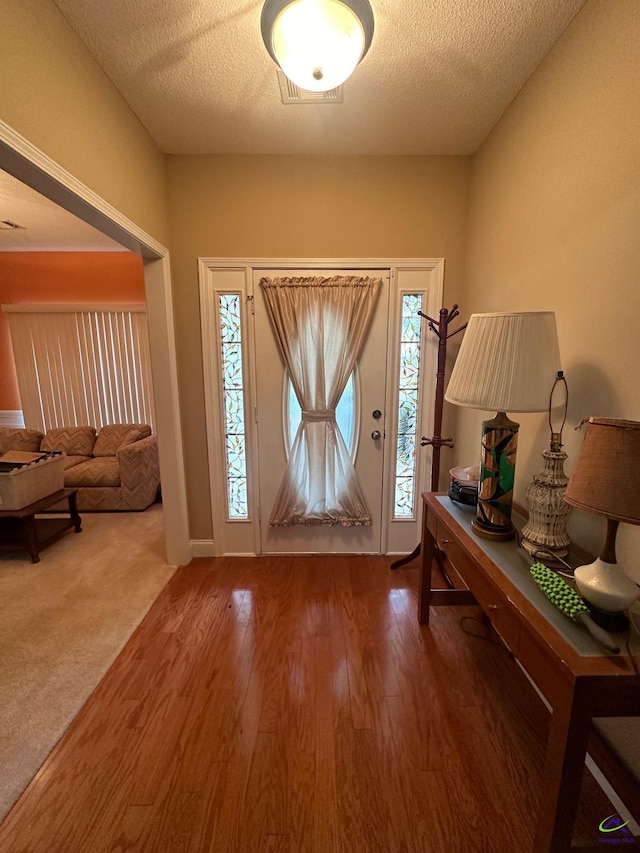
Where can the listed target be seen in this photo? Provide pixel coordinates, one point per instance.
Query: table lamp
(606, 481)
(507, 362)
(544, 535)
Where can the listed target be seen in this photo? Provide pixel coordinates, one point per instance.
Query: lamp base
(498, 534)
(548, 511)
(605, 586)
(497, 472)
(548, 556)
(615, 623)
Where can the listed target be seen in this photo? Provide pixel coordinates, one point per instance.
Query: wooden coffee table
(20, 530)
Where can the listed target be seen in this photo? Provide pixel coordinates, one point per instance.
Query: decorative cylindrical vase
(546, 528)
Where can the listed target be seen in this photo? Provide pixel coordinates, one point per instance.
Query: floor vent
(292, 94)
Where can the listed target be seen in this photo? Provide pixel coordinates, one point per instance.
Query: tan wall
(304, 207)
(554, 224)
(56, 96)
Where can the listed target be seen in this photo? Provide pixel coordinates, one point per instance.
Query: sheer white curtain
(321, 325)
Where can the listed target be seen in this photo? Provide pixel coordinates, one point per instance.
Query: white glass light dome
(317, 43)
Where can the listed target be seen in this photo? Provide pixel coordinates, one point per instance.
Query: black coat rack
(437, 442)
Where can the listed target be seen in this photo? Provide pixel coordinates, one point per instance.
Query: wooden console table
(570, 669)
(20, 530)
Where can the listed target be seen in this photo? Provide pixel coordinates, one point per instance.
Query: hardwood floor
(290, 704)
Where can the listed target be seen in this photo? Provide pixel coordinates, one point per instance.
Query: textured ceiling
(44, 225)
(437, 78)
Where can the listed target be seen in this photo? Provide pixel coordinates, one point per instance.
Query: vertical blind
(82, 365)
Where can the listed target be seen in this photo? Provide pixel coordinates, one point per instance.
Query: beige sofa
(114, 468)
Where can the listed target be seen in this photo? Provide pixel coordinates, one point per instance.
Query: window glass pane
(345, 414)
(408, 385)
(411, 321)
(233, 395)
(294, 413)
(234, 412)
(404, 497)
(405, 459)
(231, 365)
(410, 364)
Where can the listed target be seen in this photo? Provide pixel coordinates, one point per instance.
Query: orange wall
(60, 277)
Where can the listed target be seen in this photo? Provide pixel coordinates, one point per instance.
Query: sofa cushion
(70, 461)
(74, 441)
(112, 437)
(12, 438)
(101, 471)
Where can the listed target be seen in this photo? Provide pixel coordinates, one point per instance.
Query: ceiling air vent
(8, 225)
(292, 94)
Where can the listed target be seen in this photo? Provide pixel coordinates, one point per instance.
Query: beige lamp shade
(606, 477)
(507, 362)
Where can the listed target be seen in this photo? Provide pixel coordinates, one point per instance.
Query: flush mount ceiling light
(317, 43)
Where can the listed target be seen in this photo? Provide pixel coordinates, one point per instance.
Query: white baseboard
(12, 419)
(240, 554)
(206, 548)
(202, 548)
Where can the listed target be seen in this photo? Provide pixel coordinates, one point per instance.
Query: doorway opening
(29, 165)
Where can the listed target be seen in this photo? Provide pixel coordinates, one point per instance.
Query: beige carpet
(63, 622)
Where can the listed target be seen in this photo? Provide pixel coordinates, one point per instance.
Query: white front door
(245, 398)
(361, 418)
